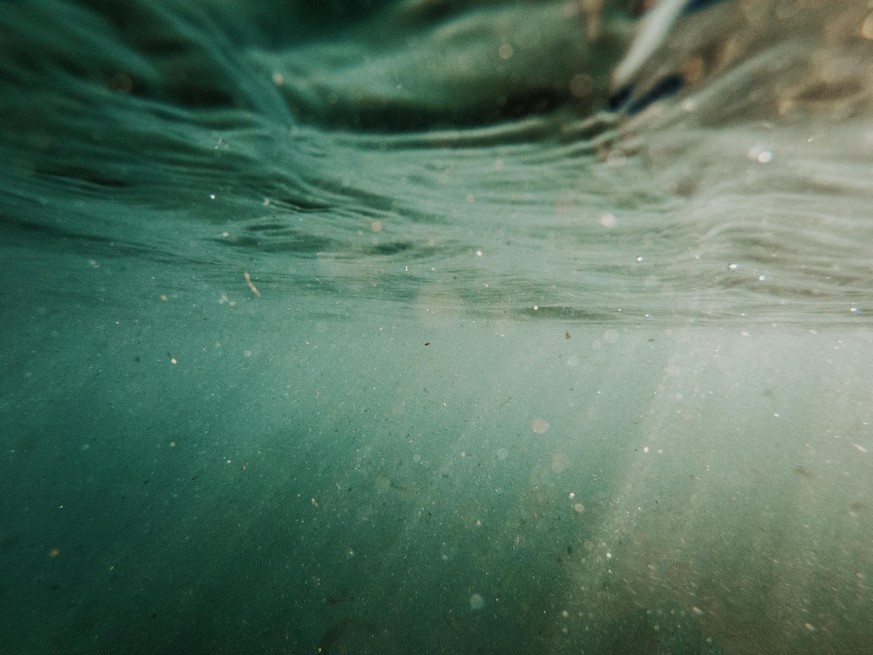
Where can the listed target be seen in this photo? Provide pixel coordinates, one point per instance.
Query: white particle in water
(607, 219)
(760, 154)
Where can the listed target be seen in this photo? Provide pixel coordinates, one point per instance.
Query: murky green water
(366, 329)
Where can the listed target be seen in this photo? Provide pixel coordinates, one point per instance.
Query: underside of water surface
(436, 326)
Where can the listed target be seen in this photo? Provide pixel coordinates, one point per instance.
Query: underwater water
(436, 326)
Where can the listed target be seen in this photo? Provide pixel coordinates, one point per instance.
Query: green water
(405, 353)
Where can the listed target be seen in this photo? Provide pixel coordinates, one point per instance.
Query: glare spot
(760, 154)
(607, 219)
(539, 426)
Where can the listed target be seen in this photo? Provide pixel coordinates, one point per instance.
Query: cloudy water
(436, 327)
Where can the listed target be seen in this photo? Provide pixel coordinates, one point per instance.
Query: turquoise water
(369, 329)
